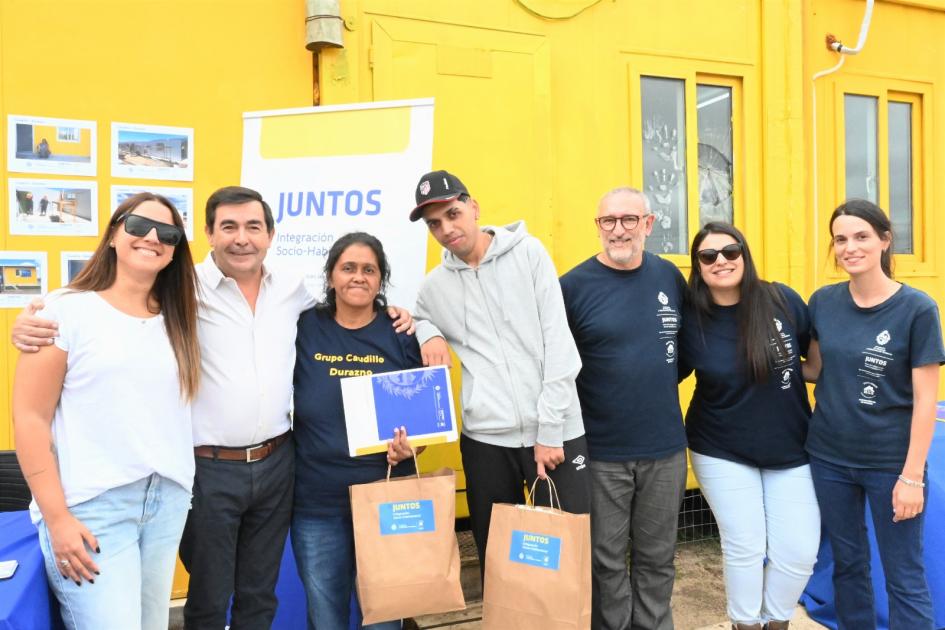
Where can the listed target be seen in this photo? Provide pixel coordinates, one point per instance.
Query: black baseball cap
(435, 187)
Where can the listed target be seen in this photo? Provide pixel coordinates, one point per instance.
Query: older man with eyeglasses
(623, 306)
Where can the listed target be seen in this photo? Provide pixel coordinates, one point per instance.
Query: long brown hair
(174, 290)
(758, 304)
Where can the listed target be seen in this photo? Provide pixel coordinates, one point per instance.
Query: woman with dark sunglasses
(875, 356)
(102, 422)
(746, 425)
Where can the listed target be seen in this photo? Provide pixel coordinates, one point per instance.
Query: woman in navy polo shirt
(746, 426)
(348, 334)
(875, 356)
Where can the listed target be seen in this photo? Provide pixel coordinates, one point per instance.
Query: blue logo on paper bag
(537, 550)
(417, 400)
(407, 517)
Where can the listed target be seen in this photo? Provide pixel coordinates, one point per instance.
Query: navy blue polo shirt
(325, 353)
(733, 418)
(626, 325)
(863, 413)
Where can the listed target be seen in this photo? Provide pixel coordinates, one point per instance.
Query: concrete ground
(698, 596)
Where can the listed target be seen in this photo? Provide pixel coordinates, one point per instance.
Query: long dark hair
(874, 215)
(329, 304)
(758, 305)
(174, 289)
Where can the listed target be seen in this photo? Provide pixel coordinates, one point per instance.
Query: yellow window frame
(919, 263)
(693, 72)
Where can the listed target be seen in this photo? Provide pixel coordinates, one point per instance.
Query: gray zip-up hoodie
(506, 322)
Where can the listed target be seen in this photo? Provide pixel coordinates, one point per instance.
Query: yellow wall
(82, 147)
(538, 107)
(10, 277)
(537, 101)
(183, 63)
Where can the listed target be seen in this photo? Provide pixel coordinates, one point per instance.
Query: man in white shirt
(242, 497)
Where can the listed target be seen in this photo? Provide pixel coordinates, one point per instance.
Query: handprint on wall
(663, 183)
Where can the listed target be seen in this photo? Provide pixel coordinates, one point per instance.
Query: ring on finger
(64, 563)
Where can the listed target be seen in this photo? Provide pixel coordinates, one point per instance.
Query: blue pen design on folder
(416, 399)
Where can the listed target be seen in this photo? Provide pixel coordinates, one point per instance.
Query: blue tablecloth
(27, 604)
(25, 600)
(290, 614)
(818, 596)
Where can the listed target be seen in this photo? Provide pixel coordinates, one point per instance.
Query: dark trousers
(498, 474)
(843, 493)
(234, 538)
(635, 509)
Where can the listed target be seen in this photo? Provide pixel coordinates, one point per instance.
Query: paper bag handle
(416, 464)
(552, 493)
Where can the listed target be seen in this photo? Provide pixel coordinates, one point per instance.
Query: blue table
(25, 600)
(818, 596)
(290, 614)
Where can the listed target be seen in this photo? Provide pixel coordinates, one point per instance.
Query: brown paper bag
(405, 546)
(538, 569)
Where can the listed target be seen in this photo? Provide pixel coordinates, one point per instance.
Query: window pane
(714, 119)
(663, 111)
(859, 116)
(900, 175)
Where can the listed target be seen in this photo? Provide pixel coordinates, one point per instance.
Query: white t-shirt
(120, 416)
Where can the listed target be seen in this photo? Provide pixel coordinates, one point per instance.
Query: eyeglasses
(139, 226)
(628, 222)
(730, 252)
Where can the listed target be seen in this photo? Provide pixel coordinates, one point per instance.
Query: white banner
(327, 171)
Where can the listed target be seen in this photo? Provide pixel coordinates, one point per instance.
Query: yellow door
(491, 123)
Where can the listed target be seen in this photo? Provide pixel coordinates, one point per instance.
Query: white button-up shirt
(247, 358)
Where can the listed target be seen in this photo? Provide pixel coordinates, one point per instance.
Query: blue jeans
(324, 553)
(842, 493)
(138, 527)
(762, 515)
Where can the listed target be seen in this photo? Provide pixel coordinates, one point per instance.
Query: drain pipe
(837, 46)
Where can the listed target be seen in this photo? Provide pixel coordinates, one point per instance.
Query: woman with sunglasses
(102, 422)
(746, 425)
(875, 356)
(347, 334)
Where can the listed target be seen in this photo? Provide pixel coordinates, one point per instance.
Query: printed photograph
(22, 277)
(48, 207)
(54, 146)
(72, 263)
(182, 198)
(151, 152)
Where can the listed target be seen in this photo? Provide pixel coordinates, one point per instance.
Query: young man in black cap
(497, 301)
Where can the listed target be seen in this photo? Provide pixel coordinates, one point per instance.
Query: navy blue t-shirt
(625, 324)
(325, 353)
(733, 418)
(863, 414)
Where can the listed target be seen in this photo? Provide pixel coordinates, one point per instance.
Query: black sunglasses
(139, 226)
(730, 252)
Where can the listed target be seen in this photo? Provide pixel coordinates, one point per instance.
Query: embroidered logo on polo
(668, 321)
(876, 360)
(785, 353)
